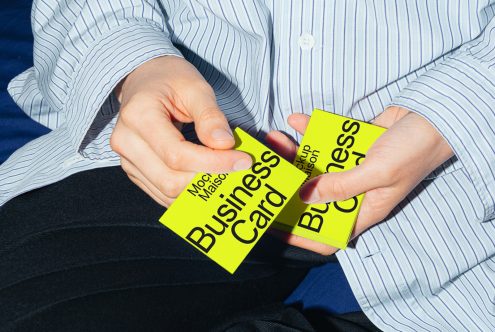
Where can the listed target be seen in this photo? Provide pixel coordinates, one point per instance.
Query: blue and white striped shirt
(431, 265)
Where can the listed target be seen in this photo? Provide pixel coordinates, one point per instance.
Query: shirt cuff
(110, 58)
(457, 97)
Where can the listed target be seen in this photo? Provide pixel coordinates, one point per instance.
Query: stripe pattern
(431, 265)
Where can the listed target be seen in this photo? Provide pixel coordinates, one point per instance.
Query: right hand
(156, 99)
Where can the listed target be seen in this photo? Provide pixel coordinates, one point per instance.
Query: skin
(156, 99)
(162, 94)
(395, 164)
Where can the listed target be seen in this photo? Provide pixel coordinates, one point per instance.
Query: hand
(401, 158)
(156, 99)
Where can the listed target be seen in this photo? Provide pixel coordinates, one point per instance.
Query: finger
(143, 183)
(135, 174)
(301, 242)
(339, 186)
(165, 201)
(142, 160)
(210, 123)
(169, 144)
(281, 144)
(144, 188)
(299, 122)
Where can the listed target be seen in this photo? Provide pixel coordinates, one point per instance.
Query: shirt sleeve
(82, 49)
(458, 97)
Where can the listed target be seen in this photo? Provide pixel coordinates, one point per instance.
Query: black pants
(88, 254)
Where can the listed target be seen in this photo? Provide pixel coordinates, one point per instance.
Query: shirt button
(306, 41)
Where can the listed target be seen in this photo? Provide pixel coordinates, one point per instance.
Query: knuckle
(173, 159)
(126, 167)
(127, 114)
(116, 142)
(338, 188)
(170, 189)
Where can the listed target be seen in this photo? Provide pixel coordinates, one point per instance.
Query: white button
(306, 41)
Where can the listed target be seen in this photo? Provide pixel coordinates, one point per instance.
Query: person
(156, 86)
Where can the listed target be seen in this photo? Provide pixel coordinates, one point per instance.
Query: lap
(95, 235)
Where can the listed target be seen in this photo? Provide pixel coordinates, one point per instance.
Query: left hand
(394, 165)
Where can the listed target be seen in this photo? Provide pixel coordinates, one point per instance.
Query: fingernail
(309, 194)
(222, 135)
(242, 164)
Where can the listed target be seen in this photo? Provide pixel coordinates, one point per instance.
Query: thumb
(211, 125)
(339, 186)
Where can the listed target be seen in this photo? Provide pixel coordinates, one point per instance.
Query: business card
(225, 215)
(332, 143)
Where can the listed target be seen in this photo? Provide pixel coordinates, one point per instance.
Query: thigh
(282, 318)
(95, 238)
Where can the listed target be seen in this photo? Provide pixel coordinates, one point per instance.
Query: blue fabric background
(16, 48)
(325, 288)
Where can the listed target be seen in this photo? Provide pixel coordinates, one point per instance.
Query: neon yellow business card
(332, 143)
(225, 215)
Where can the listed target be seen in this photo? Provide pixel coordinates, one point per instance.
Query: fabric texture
(89, 244)
(16, 128)
(89, 262)
(325, 288)
(430, 266)
(280, 318)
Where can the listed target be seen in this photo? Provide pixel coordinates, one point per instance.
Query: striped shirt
(431, 265)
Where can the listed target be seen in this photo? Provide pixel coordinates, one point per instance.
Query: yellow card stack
(332, 143)
(225, 215)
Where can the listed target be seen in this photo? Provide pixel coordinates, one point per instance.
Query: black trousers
(88, 254)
